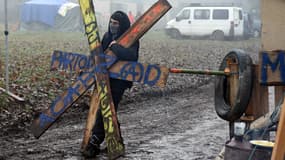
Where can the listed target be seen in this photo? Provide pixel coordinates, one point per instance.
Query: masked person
(118, 24)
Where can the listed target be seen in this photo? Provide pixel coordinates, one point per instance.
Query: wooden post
(233, 86)
(279, 147)
(233, 82)
(258, 104)
(273, 25)
(94, 106)
(273, 38)
(279, 93)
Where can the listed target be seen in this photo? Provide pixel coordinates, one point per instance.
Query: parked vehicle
(214, 21)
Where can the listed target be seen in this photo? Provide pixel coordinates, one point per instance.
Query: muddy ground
(176, 122)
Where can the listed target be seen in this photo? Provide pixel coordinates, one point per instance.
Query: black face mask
(114, 29)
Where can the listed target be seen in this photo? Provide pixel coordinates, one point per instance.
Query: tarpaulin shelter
(59, 15)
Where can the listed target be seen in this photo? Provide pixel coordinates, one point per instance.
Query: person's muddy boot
(91, 151)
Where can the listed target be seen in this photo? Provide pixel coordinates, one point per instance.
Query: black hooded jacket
(124, 54)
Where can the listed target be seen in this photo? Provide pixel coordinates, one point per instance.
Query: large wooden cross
(97, 68)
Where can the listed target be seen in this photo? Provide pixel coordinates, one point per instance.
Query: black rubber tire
(245, 80)
(174, 33)
(218, 35)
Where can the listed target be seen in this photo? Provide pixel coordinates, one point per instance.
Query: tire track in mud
(182, 125)
(179, 126)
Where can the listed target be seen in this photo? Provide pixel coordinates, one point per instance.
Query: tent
(60, 15)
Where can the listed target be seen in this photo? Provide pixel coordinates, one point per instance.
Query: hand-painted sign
(130, 71)
(272, 67)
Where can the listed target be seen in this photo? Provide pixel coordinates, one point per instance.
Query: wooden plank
(233, 83)
(91, 119)
(272, 67)
(144, 23)
(72, 62)
(113, 139)
(62, 102)
(273, 25)
(137, 72)
(258, 104)
(130, 70)
(279, 147)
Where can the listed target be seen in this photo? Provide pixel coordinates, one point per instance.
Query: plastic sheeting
(43, 11)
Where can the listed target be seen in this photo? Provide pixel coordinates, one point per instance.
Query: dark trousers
(98, 135)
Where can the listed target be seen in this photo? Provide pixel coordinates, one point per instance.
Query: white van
(217, 22)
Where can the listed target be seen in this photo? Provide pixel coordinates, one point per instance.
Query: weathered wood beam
(113, 138)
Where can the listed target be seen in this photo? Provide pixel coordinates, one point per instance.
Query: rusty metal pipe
(226, 72)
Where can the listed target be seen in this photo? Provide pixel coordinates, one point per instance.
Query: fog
(245, 4)
(14, 6)
(29, 63)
